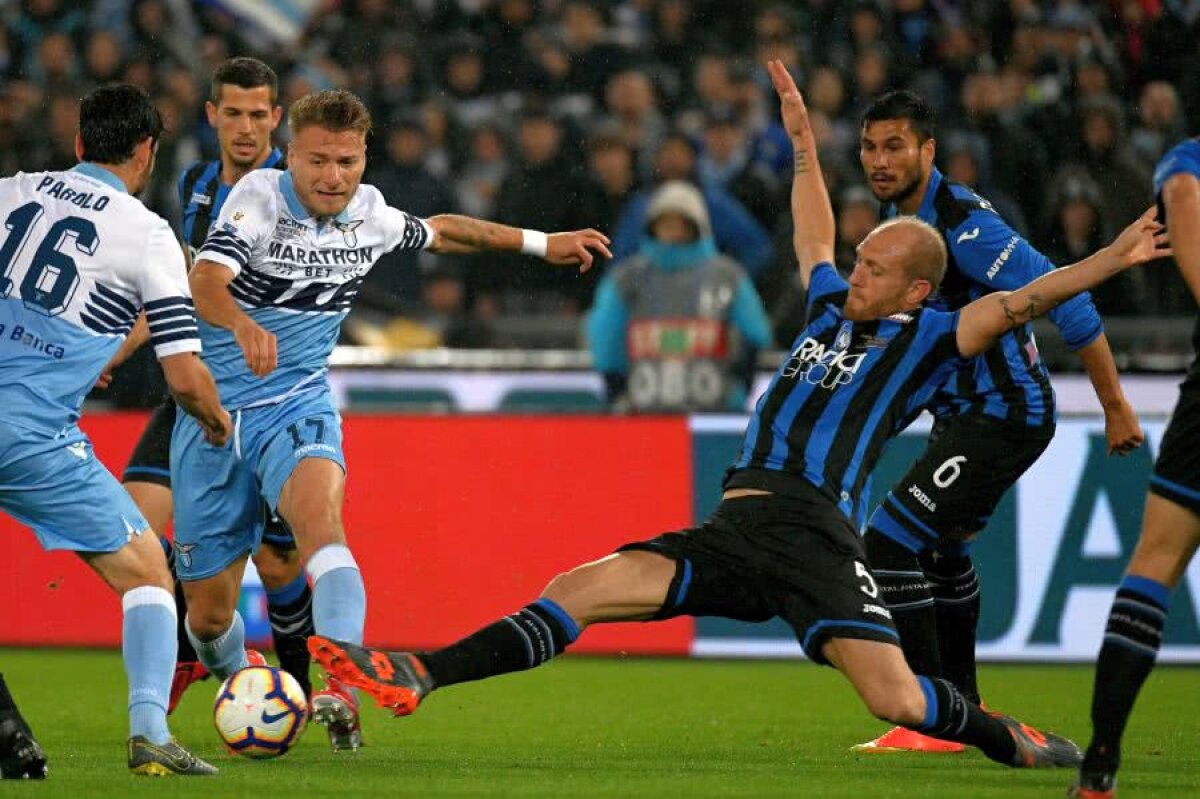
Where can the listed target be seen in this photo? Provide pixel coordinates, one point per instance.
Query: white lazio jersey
(296, 276)
(79, 259)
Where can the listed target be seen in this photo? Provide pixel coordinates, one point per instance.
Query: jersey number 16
(52, 277)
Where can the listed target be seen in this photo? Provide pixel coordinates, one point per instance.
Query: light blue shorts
(55, 485)
(219, 492)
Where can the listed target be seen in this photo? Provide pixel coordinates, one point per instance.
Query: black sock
(1131, 642)
(6, 700)
(955, 588)
(949, 716)
(527, 638)
(290, 613)
(186, 653)
(905, 590)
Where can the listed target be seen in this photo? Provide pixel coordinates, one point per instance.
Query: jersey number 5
(52, 277)
(868, 585)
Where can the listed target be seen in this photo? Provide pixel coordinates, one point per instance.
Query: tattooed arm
(812, 214)
(991, 316)
(463, 234)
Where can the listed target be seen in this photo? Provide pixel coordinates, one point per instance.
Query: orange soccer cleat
(397, 680)
(902, 739)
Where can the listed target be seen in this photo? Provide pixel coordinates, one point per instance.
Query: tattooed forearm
(802, 162)
(1019, 316)
(474, 232)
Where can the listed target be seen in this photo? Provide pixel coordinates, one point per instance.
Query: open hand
(576, 248)
(1144, 240)
(791, 104)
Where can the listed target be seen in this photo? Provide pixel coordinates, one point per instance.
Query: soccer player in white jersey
(81, 257)
(272, 284)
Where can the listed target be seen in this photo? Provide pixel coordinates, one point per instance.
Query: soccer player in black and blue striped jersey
(919, 539)
(1171, 523)
(783, 541)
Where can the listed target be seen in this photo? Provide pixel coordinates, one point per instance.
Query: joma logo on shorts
(923, 498)
(877, 610)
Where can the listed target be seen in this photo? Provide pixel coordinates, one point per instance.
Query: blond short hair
(335, 110)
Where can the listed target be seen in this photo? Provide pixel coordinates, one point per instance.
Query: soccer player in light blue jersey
(80, 258)
(272, 283)
(244, 112)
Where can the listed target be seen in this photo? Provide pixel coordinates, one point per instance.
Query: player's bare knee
(582, 592)
(208, 621)
(568, 588)
(314, 526)
(141, 563)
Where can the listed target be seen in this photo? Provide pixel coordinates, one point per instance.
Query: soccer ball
(260, 712)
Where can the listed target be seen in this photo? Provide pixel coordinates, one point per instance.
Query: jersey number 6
(949, 471)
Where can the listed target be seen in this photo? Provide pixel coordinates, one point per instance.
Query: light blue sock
(226, 653)
(339, 596)
(148, 646)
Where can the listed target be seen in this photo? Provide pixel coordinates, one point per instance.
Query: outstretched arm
(453, 233)
(991, 316)
(812, 214)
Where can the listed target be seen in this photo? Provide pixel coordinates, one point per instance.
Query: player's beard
(902, 193)
(244, 163)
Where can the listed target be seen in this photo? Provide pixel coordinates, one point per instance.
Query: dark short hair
(114, 119)
(904, 104)
(335, 110)
(245, 73)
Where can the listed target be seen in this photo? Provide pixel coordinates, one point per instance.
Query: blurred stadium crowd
(558, 114)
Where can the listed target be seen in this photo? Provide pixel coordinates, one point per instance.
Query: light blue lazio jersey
(295, 275)
(79, 259)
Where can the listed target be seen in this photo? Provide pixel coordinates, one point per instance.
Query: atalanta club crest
(842, 342)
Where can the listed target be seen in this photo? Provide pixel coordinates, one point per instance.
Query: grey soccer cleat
(163, 760)
(1037, 749)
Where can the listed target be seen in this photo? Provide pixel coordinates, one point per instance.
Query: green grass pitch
(594, 727)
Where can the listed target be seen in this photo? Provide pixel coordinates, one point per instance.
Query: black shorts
(151, 458)
(759, 557)
(951, 491)
(151, 463)
(1177, 471)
